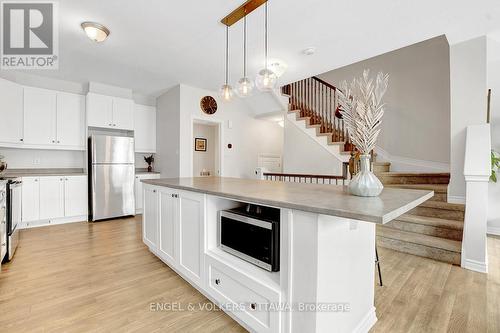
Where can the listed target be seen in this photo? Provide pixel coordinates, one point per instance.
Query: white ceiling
(155, 44)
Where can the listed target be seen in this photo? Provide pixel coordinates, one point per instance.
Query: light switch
(229, 124)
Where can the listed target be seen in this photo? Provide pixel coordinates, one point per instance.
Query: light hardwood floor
(100, 277)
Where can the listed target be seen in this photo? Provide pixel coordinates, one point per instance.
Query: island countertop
(314, 198)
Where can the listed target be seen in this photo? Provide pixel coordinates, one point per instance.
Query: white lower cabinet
(138, 189)
(53, 199)
(150, 218)
(168, 225)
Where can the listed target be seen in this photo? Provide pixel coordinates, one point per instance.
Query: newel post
(477, 171)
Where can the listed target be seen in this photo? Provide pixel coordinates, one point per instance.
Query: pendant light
(244, 87)
(266, 79)
(226, 91)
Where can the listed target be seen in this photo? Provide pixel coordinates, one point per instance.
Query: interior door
(39, 116)
(51, 197)
(71, 120)
(11, 112)
(168, 228)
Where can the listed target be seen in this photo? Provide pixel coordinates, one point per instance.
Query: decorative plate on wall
(208, 105)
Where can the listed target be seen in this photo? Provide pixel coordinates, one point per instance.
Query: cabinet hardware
(58, 141)
(36, 180)
(217, 281)
(53, 141)
(21, 139)
(66, 179)
(253, 306)
(154, 191)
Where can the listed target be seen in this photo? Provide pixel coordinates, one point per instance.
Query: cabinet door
(71, 120)
(191, 227)
(123, 113)
(138, 194)
(51, 197)
(168, 216)
(30, 193)
(75, 196)
(145, 128)
(150, 217)
(99, 110)
(11, 112)
(39, 116)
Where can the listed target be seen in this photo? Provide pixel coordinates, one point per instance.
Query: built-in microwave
(252, 233)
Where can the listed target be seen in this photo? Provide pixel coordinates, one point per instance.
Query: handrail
(325, 83)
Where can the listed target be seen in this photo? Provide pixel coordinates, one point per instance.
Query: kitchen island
(325, 281)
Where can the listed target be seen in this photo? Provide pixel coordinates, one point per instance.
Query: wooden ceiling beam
(242, 11)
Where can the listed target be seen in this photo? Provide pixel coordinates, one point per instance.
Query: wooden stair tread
(332, 143)
(382, 164)
(443, 205)
(438, 188)
(426, 240)
(432, 221)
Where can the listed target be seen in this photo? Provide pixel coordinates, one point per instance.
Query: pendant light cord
(266, 33)
(245, 46)
(227, 54)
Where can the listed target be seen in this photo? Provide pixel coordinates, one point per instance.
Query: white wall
(468, 104)
(249, 136)
(35, 158)
(494, 85)
(416, 124)
(205, 160)
(301, 154)
(167, 133)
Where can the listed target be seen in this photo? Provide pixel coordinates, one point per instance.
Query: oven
(252, 233)
(13, 216)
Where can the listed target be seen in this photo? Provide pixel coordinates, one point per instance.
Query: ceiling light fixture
(309, 51)
(226, 91)
(277, 66)
(95, 31)
(244, 87)
(266, 79)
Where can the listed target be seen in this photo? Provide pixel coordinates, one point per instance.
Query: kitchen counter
(142, 171)
(314, 198)
(326, 248)
(15, 173)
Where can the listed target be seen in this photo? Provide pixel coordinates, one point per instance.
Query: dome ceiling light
(95, 31)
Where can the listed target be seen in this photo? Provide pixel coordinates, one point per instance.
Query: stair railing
(318, 100)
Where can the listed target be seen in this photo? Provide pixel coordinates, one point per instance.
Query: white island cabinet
(325, 281)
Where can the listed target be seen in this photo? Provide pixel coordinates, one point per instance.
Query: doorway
(207, 157)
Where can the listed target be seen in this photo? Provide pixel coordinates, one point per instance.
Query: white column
(477, 173)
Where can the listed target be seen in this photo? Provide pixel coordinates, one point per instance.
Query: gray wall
(416, 124)
(167, 133)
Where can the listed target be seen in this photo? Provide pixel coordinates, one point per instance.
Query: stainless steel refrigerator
(112, 174)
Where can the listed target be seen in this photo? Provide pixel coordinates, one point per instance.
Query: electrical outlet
(36, 161)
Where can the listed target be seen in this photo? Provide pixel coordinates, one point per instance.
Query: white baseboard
(402, 164)
(456, 199)
(473, 265)
(367, 322)
(493, 230)
(44, 223)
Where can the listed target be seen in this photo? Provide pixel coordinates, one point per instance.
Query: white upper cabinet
(110, 112)
(145, 128)
(99, 110)
(11, 112)
(39, 116)
(123, 113)
(71, 120)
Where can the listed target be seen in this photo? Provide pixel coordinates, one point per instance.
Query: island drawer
(250, 301)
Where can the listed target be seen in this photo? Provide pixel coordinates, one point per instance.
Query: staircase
(434, 229)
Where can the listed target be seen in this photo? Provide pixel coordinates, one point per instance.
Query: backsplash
(36, 159)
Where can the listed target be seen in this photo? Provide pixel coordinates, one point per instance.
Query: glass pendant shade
(226, 92)
(244, 87)
(266, 80)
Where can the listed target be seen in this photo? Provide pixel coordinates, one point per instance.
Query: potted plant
(149, 160)
(362, 110)
(495, 165)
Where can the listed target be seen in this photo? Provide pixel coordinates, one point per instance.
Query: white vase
(365, 183)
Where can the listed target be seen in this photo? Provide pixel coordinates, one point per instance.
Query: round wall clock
(208, 105)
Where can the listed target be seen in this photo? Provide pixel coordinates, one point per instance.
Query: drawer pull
(253, 306)
(217, 281)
